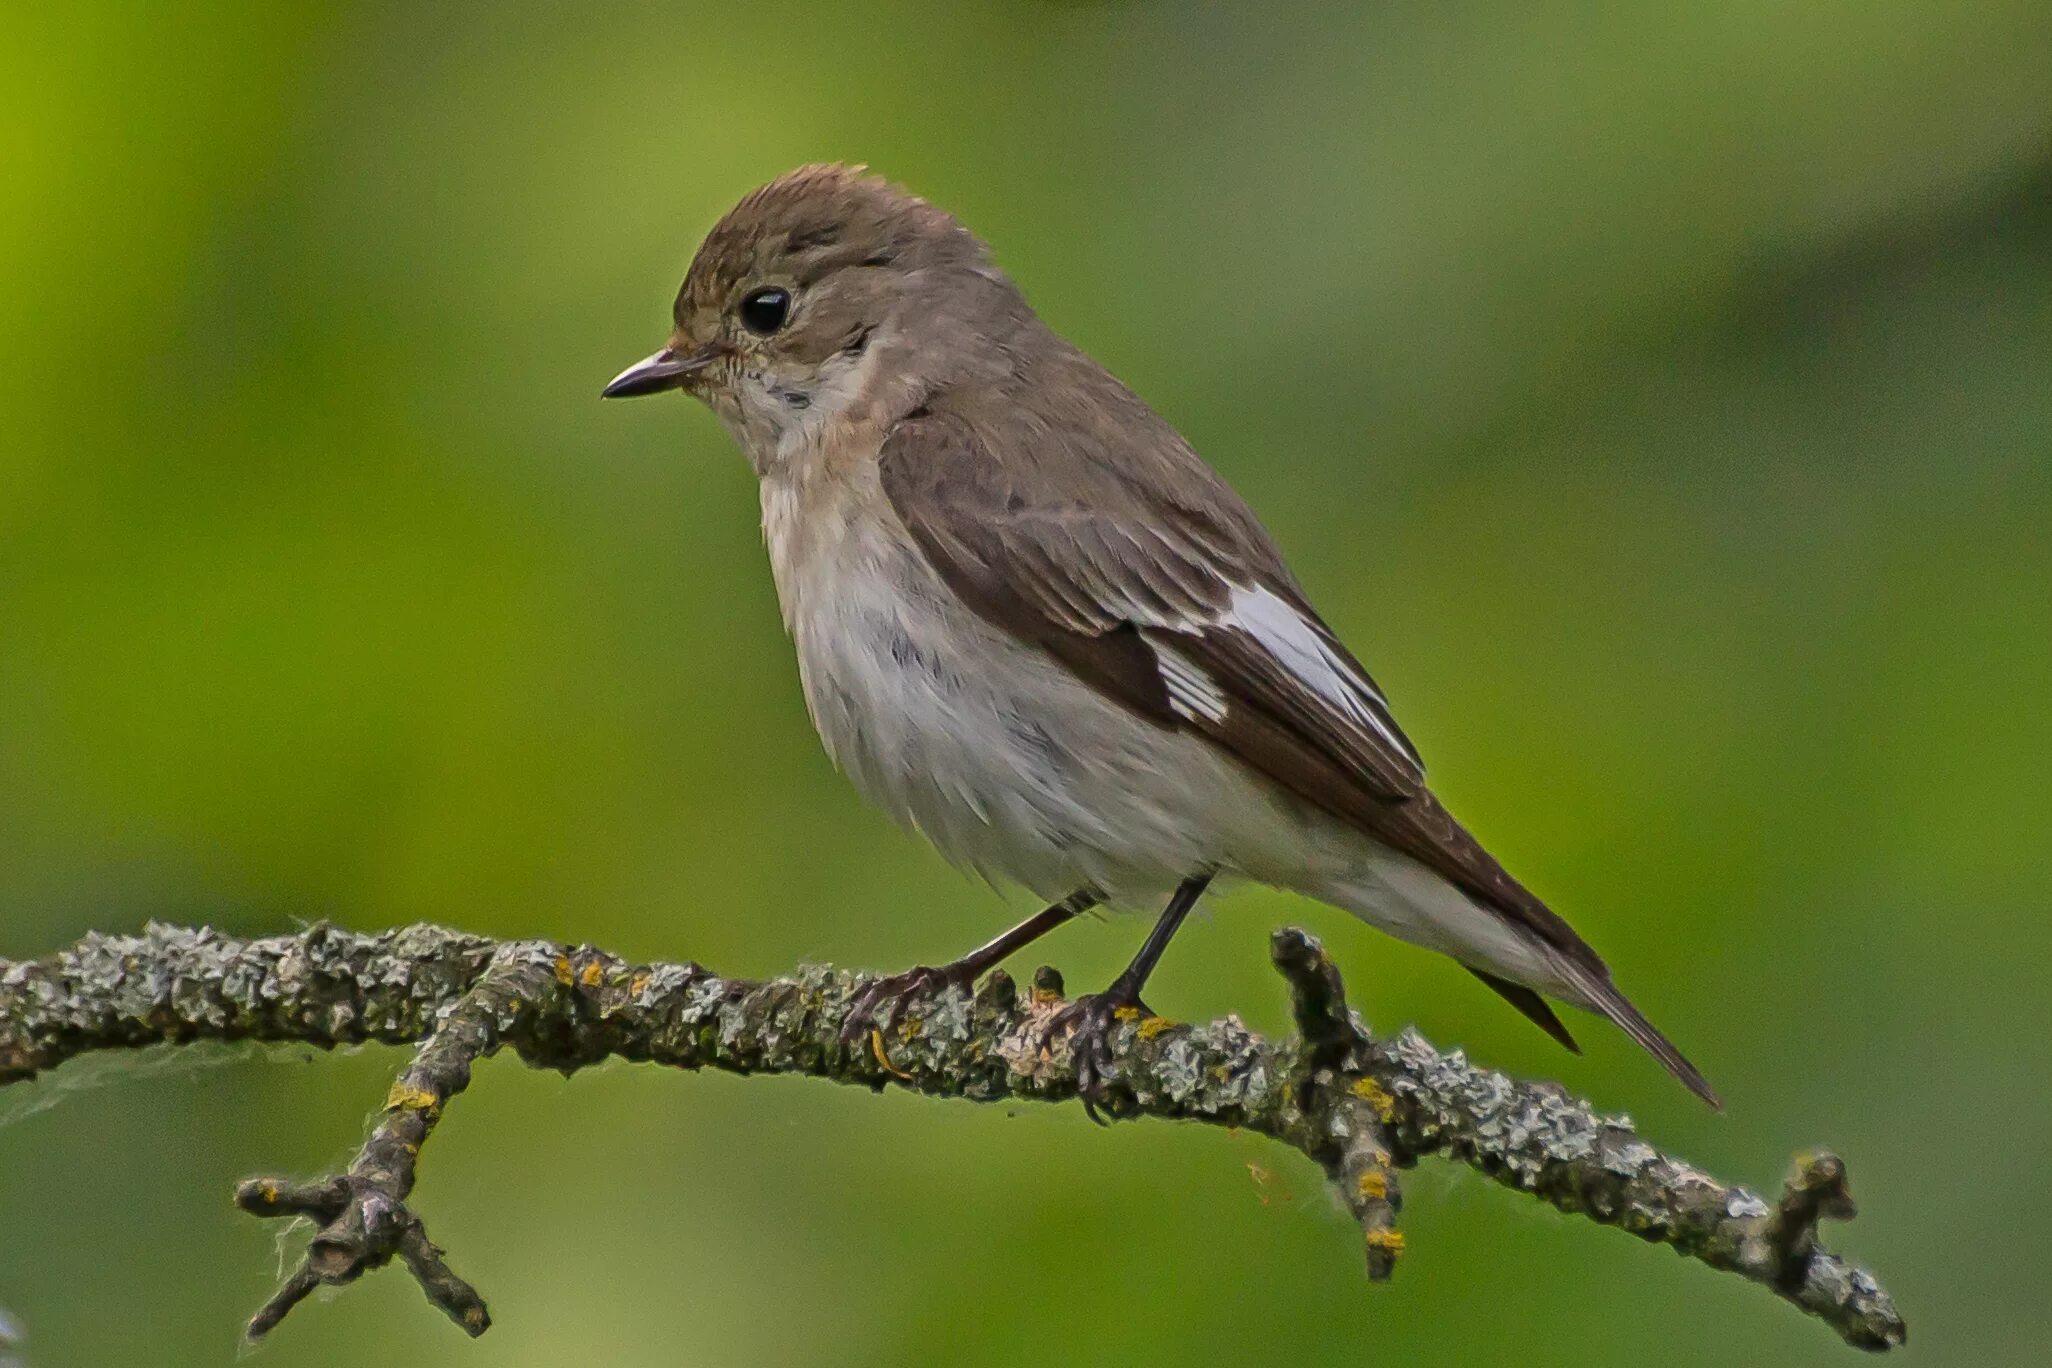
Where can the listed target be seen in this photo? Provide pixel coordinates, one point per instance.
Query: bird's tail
(1510, 954)
(1593, 989)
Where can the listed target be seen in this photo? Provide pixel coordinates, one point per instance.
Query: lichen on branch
(1362, 1108)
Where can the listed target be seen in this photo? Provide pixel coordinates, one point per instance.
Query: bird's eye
(764, 311)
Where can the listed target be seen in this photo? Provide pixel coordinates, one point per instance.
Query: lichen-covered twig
(1344, 1106)
(362, 1217)
(1360, 1107)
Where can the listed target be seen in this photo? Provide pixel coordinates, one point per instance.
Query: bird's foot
(1089, 1022)
(881, 1002)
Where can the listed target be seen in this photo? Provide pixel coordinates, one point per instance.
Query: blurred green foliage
(1659, 399)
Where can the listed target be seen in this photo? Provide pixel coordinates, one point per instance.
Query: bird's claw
(891, 992)
(1089, 1022)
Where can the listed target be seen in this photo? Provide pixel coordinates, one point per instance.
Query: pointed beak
(668, 369)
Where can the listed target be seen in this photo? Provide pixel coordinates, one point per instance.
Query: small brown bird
(1033, 625)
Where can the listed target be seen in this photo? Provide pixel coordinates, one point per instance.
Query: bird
(1035, 627)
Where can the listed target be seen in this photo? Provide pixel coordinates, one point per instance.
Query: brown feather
(1535, 1008)
(1126, 547)
(1142, 548)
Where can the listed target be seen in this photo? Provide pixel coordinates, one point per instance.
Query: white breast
(995, 752)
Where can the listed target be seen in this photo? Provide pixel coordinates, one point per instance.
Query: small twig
(1360, 1107)
(362, 1214)
(1360, 1158)
(1816, 1188)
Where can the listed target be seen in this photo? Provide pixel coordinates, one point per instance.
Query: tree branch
(1361, 1108)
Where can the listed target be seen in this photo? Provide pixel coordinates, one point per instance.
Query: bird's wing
(1170, 611)
(1151, 581)
(1165, 594)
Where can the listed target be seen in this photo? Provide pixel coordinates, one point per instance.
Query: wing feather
(1143, 573)
(1181, 609)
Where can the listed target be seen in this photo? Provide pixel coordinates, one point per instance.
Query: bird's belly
(1002, 758)
(1013, 767)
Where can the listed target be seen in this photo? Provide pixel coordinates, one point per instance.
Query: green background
(1659, 398)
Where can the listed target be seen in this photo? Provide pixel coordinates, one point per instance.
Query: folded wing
(1182, 609)
(1147, 576)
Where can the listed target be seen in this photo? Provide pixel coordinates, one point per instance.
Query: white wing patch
(1193, 694)
(1302, 650)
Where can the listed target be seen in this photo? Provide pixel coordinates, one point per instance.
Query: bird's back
(1065, 423)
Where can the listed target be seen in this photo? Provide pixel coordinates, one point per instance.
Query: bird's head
(828, 294)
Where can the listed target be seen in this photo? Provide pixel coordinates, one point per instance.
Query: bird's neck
(789, 426)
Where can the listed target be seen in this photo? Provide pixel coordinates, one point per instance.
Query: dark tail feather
(1604, 997)
(1531, 1004)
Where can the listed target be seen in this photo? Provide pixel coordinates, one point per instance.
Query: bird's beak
(668, 369)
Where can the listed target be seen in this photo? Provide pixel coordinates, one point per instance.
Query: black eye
(763, 312)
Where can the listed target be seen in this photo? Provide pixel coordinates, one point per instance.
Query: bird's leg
(1090, 1018)
(962, 973)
